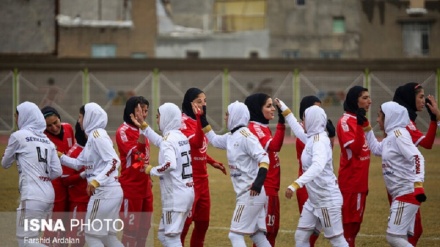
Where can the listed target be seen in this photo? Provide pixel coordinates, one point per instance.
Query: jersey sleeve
(278, 139)
(152, 136)
(106, 152)
(297, 129)
(9, 154)
(218, 141)
(255, 150)
(319, 160)
(54, 164)
(428, 140)
(412, 154)
(169, 163)
(374, 145)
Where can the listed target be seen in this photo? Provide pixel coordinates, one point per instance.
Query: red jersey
(77, 186)
(63, 145)
(134, 182)
(355, 155)
(199, 146)
(418, 138)
(272, 146)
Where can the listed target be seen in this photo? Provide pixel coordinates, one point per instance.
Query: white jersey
(317, 162)
(98, 156)
(244, 152)
(174, 169)
(36, 155)
(402, 162)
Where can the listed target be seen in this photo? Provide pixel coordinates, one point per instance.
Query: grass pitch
(223, 201)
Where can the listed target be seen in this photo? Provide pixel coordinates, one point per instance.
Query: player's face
(420, 100)
(53, 125)
(381, 119)
(364, 101)
(144, 111)
(200, 101)
(80, 120)
(268, 109)
(158, 119)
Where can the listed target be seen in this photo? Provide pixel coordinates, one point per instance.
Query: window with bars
(415, 37)
(338, 24)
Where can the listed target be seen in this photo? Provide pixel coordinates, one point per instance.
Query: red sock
(199, 233)
(350, 232)
(185, 230)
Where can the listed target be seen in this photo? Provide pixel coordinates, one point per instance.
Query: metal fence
(67, 90)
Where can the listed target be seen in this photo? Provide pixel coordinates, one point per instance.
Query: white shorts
(102, 215)
(249, 214)
(172, 222)
(31, 209)
(328, 220)
(402, 218)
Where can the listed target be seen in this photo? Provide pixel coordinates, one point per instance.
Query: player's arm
(374, 145)
(319, 160)
(169, 163)
(215, 164)
(276, 142)
(253, 148)
(297, 129)
(74, 163)
(54, 164)
(110, 158)
(9, 154)
(428, 140)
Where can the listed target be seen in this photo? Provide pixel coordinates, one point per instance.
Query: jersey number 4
(43, 159)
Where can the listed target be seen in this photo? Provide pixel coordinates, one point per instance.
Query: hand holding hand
(281, 105)
(137, 118)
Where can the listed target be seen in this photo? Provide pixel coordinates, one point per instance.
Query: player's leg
(331, 223)
(401, 222)
(27, 210)
(273, 218)
(130, 215)
(418, 229)
(237, 240)
(306, 225)
(189, 219)
(201, 213)
(172, 224)
(145, 222)
(352, 213)
(78, 213)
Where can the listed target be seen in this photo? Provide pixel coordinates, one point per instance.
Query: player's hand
(281, 118)
(419, 192)
(137, 118)
(220, 166)
(281, 105)
(148, 169)
(431, 106)
(361, 117)
(291, 190)
(330, 129)
(196, 109)
(90, 189)
(59, 154)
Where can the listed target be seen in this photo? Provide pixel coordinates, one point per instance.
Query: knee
(237, 240)
(302, 236)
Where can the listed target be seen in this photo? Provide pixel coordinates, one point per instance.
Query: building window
(253, 54)
(330, 54)
(290, 53)
(139, 55)
(192, 54)
(101, 50)
(416, 39)
(300, 2)
(239, 15)
(338, 24)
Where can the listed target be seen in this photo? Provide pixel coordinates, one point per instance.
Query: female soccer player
(412, 97)
(354, 162)
(261, 109)
(175, 172)
(76, 183)
(199, 158)
(102, 164)
(37, 164)
(134, 152)
(248, 164)
(403, 169)
(61, 134)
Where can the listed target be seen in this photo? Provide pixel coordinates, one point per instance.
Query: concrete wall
(27, 27)
(382, 29)
(308, 28)
(140, 38)
(231, 45)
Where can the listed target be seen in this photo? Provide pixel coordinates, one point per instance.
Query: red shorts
(273, 214)
(354, 207)
(202, 200)
(136, 213)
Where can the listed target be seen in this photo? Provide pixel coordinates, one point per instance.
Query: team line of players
(90, 184)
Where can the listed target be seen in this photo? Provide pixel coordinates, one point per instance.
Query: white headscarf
(396, 116)
(30, 118)
(170, 117)
(94, 118)
(315, 120)
(238, 115)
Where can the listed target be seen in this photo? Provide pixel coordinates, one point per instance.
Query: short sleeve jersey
(353, 169)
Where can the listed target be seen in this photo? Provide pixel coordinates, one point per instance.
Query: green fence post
(226, 96)
(296, 99)
(155, 88)
(86, 87)
(15, 95)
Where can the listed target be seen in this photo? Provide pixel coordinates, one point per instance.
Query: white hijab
(315, 120)
(30, 118)
(94, 118)
(396, 116)
(170, 117)
(238, 115)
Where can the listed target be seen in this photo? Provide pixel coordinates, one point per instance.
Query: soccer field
(223, 201)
